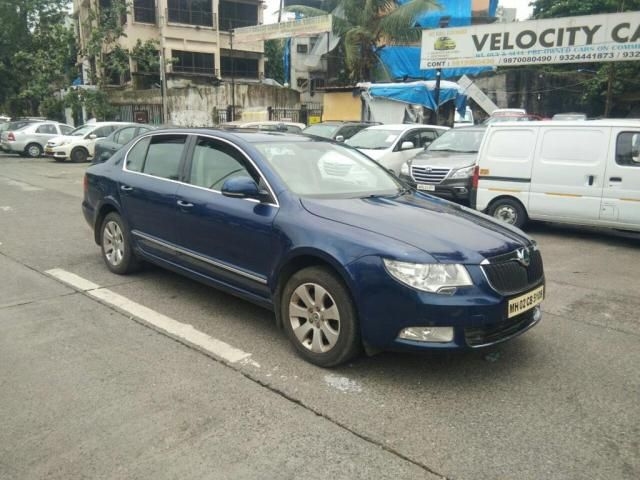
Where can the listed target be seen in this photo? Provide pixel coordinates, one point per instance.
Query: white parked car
(78, 146)
(29, 138)
(392, 145)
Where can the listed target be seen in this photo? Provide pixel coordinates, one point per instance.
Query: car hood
(444, 159)
(447, 232)
(61, 138)
(375, 154)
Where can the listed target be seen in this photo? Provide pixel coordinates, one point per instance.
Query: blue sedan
(344, 253)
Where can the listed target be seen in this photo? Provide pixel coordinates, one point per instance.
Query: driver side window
(214, 162)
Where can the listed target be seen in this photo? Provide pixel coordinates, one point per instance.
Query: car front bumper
(61, 152)
(456, 190)
(477, 314)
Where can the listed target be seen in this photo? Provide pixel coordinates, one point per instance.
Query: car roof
(251, 136)
(404, 126)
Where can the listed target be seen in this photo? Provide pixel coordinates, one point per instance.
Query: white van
(578, 172)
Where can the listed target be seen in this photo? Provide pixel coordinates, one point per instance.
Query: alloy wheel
(114, 245)
(314, 317)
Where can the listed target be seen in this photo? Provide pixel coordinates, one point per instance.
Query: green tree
(604, 81)
(37, 53)
(365, 25)
(273, 52)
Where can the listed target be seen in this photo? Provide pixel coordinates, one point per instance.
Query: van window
(628, 149)
(512, 145)
(573, 147)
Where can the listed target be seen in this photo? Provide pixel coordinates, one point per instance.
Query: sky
(524, 11)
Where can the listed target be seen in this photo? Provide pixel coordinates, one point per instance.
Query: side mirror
(407, 146)
(93, 136)
(242, 187)
(635, 148)
(340, 138)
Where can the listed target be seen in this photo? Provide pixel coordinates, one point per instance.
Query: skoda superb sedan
(346, 259)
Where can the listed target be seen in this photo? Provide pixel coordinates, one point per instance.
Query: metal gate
(141, 113)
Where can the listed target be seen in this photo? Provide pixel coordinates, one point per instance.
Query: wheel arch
(299, 260)
(515, 199)
(105, 209)
(79, 147)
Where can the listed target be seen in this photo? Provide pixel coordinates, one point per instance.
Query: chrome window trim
(151, 134)
(201, 258)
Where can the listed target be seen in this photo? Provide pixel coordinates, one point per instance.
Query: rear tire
(320, 318)
(115, 242)
(33, 150)
(509, 211)
(79, 155)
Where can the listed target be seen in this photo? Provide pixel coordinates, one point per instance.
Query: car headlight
(429, 277)
(465, 172)
(404, 169)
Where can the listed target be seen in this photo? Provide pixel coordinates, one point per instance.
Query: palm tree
(366, 25)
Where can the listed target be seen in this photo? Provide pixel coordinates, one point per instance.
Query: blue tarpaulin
(458, 12)
(404, 62)
(419, 93)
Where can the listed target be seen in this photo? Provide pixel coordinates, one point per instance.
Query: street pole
(233, 76)
(437, 94)
(444, 23)
(163, 75)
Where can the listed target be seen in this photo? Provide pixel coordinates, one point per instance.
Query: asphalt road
(88, 392)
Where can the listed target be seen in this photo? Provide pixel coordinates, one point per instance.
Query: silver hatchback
(30, 139)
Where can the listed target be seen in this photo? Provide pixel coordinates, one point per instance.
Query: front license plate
(525, 302)
(428, 188)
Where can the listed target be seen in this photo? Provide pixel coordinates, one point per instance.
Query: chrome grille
(430, 175)
(508, 277)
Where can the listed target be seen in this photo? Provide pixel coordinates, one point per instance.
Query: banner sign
(590, 38)
(305, 27)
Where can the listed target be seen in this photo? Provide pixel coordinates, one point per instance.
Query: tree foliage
(37, 54)
(623, 76)
(365, 25)
(273, 52)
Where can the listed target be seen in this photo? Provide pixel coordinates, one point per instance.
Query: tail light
(475, 178)
(11, 137)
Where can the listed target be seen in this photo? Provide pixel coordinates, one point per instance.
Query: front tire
(509, 211)
(320, 318)
(33, 150)
(115, 242)
(79, 155)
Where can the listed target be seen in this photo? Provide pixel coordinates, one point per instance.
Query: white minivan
(580, 172)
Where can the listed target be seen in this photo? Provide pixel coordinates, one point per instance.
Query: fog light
(427, 334)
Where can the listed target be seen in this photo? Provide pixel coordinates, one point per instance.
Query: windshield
(457, 140)
(374, 139)
(319, 169)
(322, 130)
(83, 130)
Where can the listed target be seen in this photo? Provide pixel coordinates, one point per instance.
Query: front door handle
(184, 204)
(126, 188)
(615, 179)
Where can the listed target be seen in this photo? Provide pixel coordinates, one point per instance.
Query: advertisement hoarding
(305, 27)
(590, 38)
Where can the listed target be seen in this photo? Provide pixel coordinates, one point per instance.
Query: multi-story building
(194, 37)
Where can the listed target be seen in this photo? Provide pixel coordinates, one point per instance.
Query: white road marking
(6, 208)
(180, 331)
(344, 384)
(25, 187)
(72, 279)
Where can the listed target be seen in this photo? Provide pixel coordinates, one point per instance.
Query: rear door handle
(615, 179)
(126, 188)
(184, 204)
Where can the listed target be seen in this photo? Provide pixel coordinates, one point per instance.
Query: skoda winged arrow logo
(524, 256)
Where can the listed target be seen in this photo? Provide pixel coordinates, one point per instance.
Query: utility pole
(163, 74)
(233, 75)
(444, 23)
